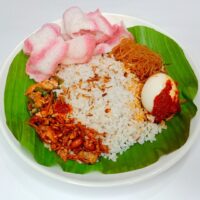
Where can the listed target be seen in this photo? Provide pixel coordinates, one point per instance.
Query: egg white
(153, 87)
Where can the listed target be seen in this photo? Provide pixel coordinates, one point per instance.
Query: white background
(180, 18)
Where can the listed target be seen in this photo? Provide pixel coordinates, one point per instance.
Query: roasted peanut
(76, 143)
(89, 145)
(73, 135)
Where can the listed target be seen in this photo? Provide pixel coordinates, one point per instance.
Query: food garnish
(138, 58)
(50, 119)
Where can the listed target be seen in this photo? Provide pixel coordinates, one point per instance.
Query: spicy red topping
(164, 105)
(49, 117)
(61, 107)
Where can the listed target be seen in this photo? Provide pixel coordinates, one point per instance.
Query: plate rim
(179, 153)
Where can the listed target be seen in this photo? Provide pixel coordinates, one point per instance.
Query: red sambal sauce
(61, 107)
(164, 105)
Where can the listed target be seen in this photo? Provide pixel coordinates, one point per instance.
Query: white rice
(106, 104)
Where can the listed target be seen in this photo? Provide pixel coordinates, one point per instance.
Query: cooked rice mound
(105, 96)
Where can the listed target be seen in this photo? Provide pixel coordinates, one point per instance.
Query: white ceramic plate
(98, 179)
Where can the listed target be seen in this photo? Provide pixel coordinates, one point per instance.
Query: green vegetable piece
(54, 95)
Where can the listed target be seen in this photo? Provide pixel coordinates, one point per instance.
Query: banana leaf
(137, 156)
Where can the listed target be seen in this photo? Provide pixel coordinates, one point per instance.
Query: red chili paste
(62, 107)
(164, 105)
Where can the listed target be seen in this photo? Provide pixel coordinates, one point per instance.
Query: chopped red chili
(62, 107)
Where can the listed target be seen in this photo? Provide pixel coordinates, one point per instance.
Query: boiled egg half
(159, 96)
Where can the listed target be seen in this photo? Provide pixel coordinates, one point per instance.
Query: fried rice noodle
(138, 58)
